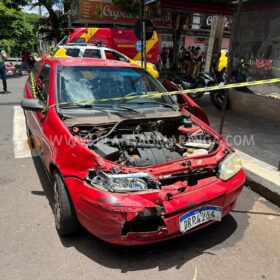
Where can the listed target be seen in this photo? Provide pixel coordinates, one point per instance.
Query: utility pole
(215, 42)
(230, 64)
(143, 36)
(69, 20)
(39, 35)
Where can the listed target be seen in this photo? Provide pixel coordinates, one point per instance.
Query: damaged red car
(131, 170)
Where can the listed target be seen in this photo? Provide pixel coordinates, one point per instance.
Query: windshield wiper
(157, 102)
(75, 105)
(124, 107)
(96, 106)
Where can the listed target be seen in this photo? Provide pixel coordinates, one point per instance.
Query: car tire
(66, 221)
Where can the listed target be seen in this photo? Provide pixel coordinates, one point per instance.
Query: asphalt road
(246, 245)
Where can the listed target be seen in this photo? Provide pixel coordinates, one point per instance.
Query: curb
(263, 178)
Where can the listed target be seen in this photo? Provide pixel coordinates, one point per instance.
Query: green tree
(14, 4)
(52, 26)
(15, 31)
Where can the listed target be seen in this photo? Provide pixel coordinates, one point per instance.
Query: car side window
(42, 83)
(73, 52)
(114, 56)
(94, 53)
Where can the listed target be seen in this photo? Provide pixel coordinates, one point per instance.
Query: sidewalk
(258, 143)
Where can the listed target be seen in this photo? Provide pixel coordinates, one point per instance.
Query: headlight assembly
(132, 182)
(229, 167)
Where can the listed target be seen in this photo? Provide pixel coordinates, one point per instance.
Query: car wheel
(66, 221)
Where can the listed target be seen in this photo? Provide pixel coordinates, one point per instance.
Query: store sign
(163, 22)
(104, 11)
(208, 19)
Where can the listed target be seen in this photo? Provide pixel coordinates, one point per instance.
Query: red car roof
(88, 62)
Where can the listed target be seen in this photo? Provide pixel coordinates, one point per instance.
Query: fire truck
(123, 40)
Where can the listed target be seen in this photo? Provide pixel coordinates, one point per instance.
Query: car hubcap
(56, 205)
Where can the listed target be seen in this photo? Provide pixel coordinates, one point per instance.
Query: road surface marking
(195, 274)
(21, 148)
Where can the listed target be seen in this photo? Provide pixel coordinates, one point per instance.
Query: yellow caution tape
(188, 91)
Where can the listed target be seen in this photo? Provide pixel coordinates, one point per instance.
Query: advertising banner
(103, 11)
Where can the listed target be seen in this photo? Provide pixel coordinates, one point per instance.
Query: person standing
(25, 60)
(170, 56)
(187, 61)
(197, 58)
(3, 57)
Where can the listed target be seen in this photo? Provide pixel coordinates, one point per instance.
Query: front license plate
(200, 216)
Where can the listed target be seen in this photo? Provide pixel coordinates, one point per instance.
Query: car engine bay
(146, 142)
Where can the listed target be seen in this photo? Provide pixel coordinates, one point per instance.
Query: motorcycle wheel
(197, 95)
(217, 99)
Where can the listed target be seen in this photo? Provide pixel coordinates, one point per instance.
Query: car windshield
(89, 84)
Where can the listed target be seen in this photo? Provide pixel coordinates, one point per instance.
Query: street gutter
(262, 177)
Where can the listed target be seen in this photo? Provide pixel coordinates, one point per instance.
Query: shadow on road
(164, 255)
(256, 213)
(44, 180)
(9, 103)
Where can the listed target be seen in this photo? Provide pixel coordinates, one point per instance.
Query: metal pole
(69, 19)
(142, 33)
(144, 45)
(230, 66)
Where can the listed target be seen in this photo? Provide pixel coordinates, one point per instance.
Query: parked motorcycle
(181, 82)
(10, 69)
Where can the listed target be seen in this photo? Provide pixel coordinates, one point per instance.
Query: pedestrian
(170, 56)
(187, 61)
(3, 57)
(25, 57)
(159, 63)
(164, 55)
(197, 58)
(181, 57)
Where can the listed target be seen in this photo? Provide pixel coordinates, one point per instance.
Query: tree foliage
(52, 26)
(14, 4)
(16, 32)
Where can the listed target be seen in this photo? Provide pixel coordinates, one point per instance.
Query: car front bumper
(106, 215)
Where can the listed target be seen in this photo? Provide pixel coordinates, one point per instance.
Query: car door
(30, 93)
(40, 90)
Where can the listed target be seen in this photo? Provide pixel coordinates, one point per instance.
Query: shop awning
(224, 7)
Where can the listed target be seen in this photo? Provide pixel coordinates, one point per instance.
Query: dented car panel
(105, 214)
(131, 169)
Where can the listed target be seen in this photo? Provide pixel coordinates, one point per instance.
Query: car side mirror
(34, 105)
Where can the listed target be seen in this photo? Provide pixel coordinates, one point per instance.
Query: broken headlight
(132, 182)
(229, 167)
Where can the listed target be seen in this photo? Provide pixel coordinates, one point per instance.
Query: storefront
(104, 13)
(256, 55)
